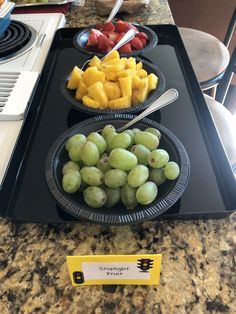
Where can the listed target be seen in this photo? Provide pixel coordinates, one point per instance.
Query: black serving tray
(210, 193)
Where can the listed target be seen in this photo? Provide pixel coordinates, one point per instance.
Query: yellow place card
(143, 269)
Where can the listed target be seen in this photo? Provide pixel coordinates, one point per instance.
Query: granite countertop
(158, 12)
(198, 269)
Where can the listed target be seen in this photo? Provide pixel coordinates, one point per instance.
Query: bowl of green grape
(99, 175)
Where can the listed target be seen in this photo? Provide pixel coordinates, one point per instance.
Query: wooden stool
(208, 55)
(225, 123)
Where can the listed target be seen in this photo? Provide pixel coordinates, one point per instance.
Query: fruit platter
(52, 124)
(117, 178)
(99, 39)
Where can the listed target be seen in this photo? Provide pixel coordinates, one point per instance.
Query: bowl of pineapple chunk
(113, 84)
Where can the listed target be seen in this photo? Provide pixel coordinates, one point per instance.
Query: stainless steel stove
(23, 50)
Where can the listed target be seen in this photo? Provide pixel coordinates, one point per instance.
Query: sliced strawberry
(106, 33)
(99, 26)
(92, 40)
(144, 42)
(96, 32)
(136, 43)
(109, 27)
(105, 44)
(114, 36)
(120, 36)
(126, 48)
(122, 27)
(142, 35)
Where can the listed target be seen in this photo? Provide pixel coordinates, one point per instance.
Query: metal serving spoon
(165, 99)
(126, 38)
(115, 9)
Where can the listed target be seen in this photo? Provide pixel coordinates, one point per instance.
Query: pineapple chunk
(113, 65)
(152, 81)
(75, 76)
(137, 82)
(81, 90)
(127, 72)
(97, 92)
(112, 70)
(95, 62)
(113, 55)
(142, 73)
(134, 98)
(131, 63)
(126, 86)
(92, 75)
(120, 103)
(112, 90)
(90, 102)
(139, 65)
(140, 95)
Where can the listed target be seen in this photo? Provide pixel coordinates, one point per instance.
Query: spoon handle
(165, 99)
(125, 39)
(114, 10)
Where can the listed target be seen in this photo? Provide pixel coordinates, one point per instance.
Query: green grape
(146, 193)
(70, 165)
(135, 131)
(94, 196)
(122, 159)
(154, 131)
(103, 164)
(171, 170)
(74, 140)
(115, 178)
(71, 181)
(146, 139)
(131, 134)
(109, 140)
(98, 140)
(74, 152)
(121, 140)
(138, 175)
(89, 154)
(91, 176)
(158, 158)
(157, 176)
(128, 196)
(113, 196)
(141, 152)
(107, 130)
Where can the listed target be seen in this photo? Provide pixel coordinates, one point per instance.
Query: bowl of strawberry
(101, 38)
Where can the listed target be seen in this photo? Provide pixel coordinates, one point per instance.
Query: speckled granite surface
(198, 269)
(158, 12)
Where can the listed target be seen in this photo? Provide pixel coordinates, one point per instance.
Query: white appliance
(19, 75)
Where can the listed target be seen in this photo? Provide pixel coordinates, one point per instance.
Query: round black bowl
(169, 192)
(81, 38)
(153, 95)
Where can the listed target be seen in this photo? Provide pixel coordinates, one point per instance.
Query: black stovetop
(24, 195)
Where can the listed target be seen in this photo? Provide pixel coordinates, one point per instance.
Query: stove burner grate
(16, 40)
